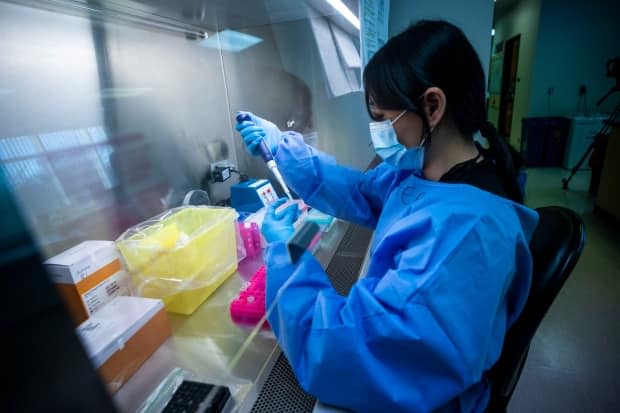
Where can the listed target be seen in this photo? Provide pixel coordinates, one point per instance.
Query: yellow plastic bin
(182, 255)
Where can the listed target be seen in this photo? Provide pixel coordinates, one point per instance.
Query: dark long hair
(437, 53)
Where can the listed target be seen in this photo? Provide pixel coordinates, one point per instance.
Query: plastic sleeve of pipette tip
(247, 234)
(256, 236)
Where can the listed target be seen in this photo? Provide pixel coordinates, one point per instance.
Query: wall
(474, 17)
(194, 94)
(184, 110)
(340, 122)
(575, 39)
(521, 19)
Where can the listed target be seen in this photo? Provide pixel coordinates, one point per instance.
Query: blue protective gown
(450, 271)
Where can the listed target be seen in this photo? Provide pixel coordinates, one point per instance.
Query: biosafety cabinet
(108, 109)
(112, 111)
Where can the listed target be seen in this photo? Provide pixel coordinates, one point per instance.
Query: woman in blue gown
(450, 266)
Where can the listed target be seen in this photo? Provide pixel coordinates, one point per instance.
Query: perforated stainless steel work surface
(343, 271)
(344, 268)
(281, 391)
(355, 241)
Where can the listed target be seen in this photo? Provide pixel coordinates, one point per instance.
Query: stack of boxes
(119, 332)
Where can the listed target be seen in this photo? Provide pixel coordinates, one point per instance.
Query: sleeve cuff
(276, 255)
(279, 268)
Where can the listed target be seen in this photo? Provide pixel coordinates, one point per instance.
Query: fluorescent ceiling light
(346, 13)
(231, 41)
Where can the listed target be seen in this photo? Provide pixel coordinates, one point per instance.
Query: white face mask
(387, 146)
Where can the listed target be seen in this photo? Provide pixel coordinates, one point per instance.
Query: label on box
(93, 333)
(107, 331)
(267, 194)
(113, 286)
(79, 262)
(58, 274)
(82, 269)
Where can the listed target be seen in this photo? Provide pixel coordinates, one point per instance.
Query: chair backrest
(556, 246)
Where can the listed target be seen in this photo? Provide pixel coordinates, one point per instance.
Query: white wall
(341, 122)
(575, 39)
(522, 20)
(196, 92)
(185, 106)
(474, 17)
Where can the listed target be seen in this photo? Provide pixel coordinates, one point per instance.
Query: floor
(574, 360)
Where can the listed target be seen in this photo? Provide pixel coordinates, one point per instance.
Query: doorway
(509, 84)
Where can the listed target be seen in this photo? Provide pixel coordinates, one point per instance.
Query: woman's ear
(434, 106)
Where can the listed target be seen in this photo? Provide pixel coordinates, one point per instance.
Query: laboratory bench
(210, 347)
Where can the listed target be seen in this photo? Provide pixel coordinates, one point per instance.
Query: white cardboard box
(122, 335)
(88, 276)
(79, 262)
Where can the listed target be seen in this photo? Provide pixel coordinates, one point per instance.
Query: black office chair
(556, 246)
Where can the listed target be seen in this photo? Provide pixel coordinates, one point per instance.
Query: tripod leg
(573, 171)
(601, 100)
(604, 131)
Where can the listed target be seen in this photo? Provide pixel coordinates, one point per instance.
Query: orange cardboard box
(88, 276)
(123, 335)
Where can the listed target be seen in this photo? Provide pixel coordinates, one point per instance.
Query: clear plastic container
(182, 255)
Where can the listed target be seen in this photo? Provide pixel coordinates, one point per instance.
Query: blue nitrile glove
(278, 226)
(253, 129)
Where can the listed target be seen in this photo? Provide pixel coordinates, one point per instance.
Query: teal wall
(575, 39)
(474, 17)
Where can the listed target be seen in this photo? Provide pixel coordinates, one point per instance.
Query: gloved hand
(253, 129)
(278, 226)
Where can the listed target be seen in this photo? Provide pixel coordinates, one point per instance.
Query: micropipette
(267, 156)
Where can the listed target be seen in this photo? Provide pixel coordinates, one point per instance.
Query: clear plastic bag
(182, 255)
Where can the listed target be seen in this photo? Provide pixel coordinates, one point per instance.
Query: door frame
(511, 56)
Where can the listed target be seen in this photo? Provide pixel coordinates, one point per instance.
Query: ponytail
(426, 54)
(507, 161)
